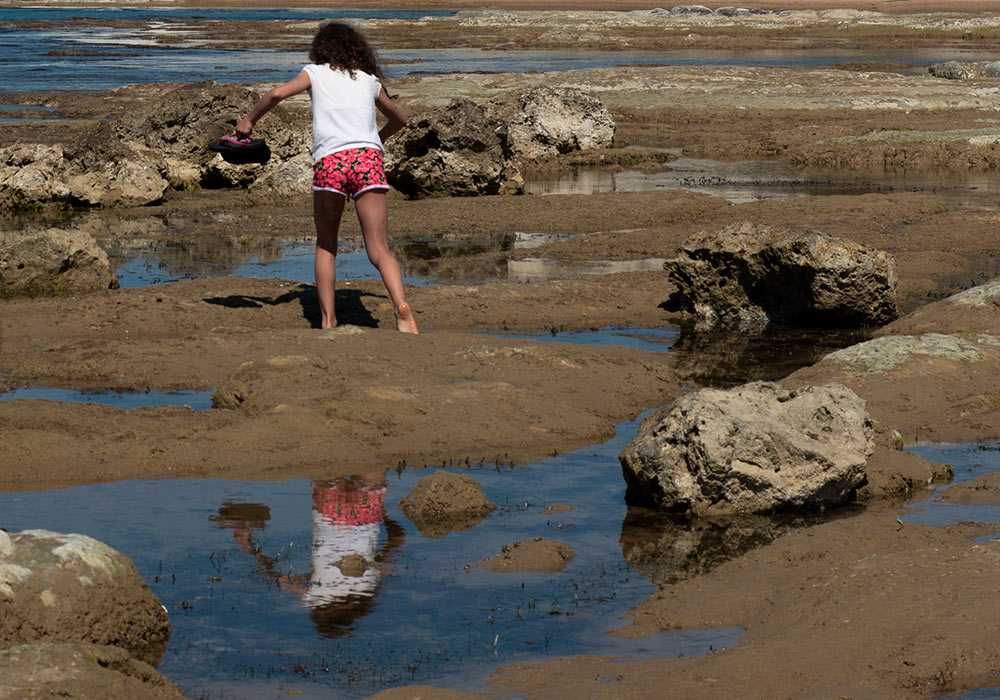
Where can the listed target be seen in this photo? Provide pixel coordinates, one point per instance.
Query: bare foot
(326, 326)
(404, 319)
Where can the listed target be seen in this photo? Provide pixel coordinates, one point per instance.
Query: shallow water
(249, 625)
(126, 401)
(969, 460)
(124, 55)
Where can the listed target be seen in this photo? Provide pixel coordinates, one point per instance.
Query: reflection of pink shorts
(350, 172)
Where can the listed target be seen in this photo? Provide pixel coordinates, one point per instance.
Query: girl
(343, 81)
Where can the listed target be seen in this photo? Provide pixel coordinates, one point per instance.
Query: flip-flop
(241, 150)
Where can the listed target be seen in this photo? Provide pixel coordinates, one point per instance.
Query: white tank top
(343, 110)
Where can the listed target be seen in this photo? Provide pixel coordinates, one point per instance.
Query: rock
(453, 151)
(882, 355)
(755, 448)
(80, 671)
(747, 275)
(71, 588)
(468, 148)
(443, 501)
(953, 70)
(537, 556)
(31, 175)
(542, 122)
(53, 261)
(991, 69)
(690, 10)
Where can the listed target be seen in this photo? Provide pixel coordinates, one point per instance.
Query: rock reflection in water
(665, 548)
(346, 561)
(727, 358)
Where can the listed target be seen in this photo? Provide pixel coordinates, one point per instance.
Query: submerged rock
(54, 261)
(537, 556)
(72, 588)
(80, 671)
(748, 275)
(755, 448)
(443, 501)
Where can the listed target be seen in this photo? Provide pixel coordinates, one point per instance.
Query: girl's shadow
(350, 305)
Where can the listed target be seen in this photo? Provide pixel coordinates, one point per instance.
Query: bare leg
(328, 207)
(374, 218)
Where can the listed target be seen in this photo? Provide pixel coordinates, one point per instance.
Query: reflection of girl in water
(347, 515)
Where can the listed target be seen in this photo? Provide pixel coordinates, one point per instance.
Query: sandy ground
(861, 606)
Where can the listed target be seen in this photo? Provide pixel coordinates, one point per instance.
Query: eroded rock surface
(468, 148)
(80, 671)
(72, 588)
(755, 448)
(52, 261)
(748, 275)
(443, 501)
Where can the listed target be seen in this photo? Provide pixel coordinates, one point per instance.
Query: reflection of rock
(755, 448)
(721, 357)
(81, 671)
(537, 556)
(748, 275)
(53, 261)
(468, 148)
(665, 548)
(443, 502)
(71, 588)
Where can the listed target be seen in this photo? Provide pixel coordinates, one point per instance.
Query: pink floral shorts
(350, 172)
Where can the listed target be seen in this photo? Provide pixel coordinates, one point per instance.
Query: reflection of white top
(332, 542)
(343, 110)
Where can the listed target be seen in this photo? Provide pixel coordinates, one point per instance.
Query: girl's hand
(244, 127)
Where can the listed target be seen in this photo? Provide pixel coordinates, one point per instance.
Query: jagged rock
(80, 671)
(453, 151)
(542, 122)
(748, 275)
(54, 261)
(31, 174)
(755, 448)
(72, 588)
(468, 148)
(690, 10)
(954, 70)
(443, 501)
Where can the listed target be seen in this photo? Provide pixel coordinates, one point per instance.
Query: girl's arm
(392, 112)
(299, 83)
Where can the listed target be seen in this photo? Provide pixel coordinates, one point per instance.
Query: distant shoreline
(886, 6)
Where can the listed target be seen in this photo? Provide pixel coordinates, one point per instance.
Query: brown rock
(537, 556)
(444, 501)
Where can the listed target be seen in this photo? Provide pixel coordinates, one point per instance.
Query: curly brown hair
(343, 46)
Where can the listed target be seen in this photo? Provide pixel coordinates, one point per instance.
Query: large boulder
(79, 671)
(748, 275)
(468, 148)
(453, 151)
(32, 174)
(541, 122)
(756, 448)
(53, 261)
(72, 588)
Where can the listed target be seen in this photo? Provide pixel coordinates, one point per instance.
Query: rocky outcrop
(955, 70)
(443, 501)
(755, 448)
(80, 671)
(468, 148)
(71, 588)
(53, 261)
(133, 161)
(748, 275)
